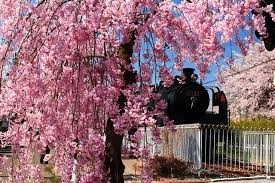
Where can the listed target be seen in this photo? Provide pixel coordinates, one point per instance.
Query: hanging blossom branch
(70, 70)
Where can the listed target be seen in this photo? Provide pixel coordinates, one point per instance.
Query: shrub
(169, 167)
(254, 124)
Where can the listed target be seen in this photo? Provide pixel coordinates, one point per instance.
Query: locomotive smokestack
(188, 72)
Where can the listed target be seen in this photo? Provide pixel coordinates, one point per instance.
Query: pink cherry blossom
(248, 84)
(63, 66)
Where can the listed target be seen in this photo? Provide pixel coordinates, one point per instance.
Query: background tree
(248, 83)
(67, 73)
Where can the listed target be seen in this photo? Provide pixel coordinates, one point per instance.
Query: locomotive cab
(188, 101)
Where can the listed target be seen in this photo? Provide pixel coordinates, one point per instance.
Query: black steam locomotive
(188, 101)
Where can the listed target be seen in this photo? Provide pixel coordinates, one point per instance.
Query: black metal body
(188, 101)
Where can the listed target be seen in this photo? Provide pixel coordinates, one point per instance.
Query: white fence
(218, 147)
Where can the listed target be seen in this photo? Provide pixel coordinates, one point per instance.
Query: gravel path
(251, 181)
(257, 179)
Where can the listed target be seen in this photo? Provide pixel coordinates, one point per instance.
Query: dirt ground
(133, 170)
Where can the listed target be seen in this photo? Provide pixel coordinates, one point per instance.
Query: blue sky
(230, 49)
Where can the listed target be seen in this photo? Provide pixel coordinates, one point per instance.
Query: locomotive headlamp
(194, 77)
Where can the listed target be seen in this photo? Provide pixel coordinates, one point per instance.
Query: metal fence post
(266, 155)
(199, 150)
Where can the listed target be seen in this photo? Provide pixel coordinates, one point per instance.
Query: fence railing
(217, 147)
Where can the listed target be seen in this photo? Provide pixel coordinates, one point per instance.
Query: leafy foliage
(255, 124)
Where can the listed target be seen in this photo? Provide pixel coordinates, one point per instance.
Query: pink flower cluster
(62, 70)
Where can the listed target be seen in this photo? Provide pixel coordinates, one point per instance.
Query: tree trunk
(113, 161)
